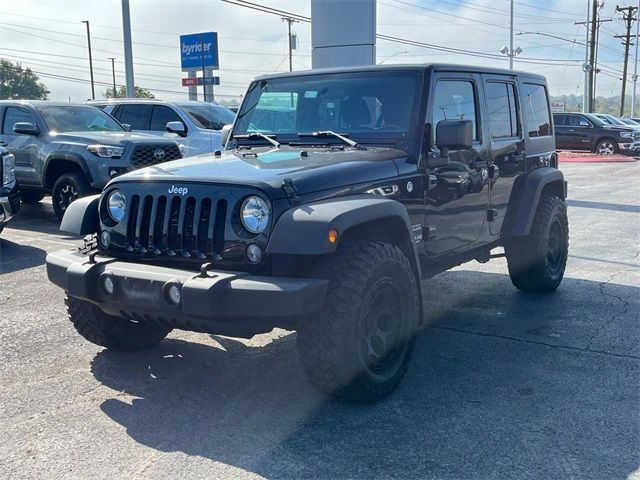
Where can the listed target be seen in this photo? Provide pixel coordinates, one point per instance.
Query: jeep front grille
(147, 155)
(174, 225)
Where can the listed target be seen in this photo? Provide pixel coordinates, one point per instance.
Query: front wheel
(68, 188)
(111, 332)
(359, 346)
(537, 262)
(607, 147)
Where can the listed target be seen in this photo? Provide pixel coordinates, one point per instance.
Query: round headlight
(254, 214)
(116, 204)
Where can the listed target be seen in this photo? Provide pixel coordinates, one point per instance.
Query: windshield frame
(412, 132)
(43, 116)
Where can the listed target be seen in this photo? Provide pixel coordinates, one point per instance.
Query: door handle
(572, 131)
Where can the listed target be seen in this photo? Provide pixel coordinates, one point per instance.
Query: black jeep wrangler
(388, 175)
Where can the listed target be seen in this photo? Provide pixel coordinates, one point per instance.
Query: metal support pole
(587, 65)
(511, 52)
(204, 70)
(93, 88)
(635, 64)
(128, 53)
(113, 73)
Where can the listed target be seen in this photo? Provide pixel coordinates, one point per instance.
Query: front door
(25, 148)
(456, 209)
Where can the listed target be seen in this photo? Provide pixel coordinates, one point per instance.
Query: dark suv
(72, 150)
(328, 224)
(585, 131)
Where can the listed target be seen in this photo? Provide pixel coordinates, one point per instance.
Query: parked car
(72, 150)
(630, 121)
(9, 194)
(613, 120)
(194, 125)
(586, 131)
(388, 175)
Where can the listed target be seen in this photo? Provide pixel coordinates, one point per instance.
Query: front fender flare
(81, 217)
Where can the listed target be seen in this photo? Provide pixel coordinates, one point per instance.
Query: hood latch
(290, 189)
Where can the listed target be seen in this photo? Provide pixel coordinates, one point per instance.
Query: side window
(559, 119)
(503, 115)
(163, 115)
(536, 108)
(138, 116)
(455, 99)
(14, 115)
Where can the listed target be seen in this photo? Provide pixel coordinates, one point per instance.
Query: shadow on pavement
(37, 217)
(502, 385)
(15, 257)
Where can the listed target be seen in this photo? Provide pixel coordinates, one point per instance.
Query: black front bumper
(227, 303)
(9, 203)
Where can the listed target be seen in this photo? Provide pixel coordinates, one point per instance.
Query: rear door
(563, 136)
(507, 143)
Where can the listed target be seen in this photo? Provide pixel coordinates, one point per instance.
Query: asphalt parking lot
(502, 385)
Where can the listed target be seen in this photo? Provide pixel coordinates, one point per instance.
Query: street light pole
(113, 73)
(93, 88)
(511, 37)
(586, 66)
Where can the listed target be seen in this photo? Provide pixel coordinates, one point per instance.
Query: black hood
(311, 170)
(118, 139)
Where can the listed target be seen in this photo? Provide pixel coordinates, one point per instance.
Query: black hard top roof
(440, 67)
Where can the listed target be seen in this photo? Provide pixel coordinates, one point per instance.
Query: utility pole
(128, 53)
(93, 88)
(290, 21)
(635, 64)
(113, 73)
(628, 15)
(204, 70)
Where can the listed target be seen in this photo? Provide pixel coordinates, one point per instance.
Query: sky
(48, 37)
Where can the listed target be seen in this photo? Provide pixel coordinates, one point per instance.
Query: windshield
(211, 117)
(363, 105)
(78, 118)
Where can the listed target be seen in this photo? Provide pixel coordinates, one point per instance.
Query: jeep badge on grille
(178, 190)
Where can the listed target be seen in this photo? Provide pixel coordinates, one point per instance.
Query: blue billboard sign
(199, 50)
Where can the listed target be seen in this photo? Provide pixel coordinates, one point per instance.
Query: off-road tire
(114, 333)
(333, 347)
(537, 262)
(66, 189)
(31, 196)
(610, 141)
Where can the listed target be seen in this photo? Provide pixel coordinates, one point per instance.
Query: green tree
(121, 92)
(20, 83)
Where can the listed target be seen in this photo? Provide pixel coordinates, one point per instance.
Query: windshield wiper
(268, 138)
(330, 133)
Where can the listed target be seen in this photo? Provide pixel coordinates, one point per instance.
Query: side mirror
(176, 127)
(26, 128)
(224, 136)
(454, 135)
(127, 127)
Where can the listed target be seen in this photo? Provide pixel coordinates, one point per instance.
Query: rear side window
(503, 114)
(453, 100)
(536, 109)
(559, 119)
(161, 116)
(138, 116)
(14, 115)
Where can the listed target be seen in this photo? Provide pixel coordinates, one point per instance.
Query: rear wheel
(31, 196)
(114, 333)
(537, 262)
(608, 146)
(68, 188)
(359, 347)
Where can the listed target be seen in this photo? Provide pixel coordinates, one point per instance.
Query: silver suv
(196, 126)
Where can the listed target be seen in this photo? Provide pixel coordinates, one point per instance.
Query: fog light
(174, 295)
(254, 253)
(107, 285)
(105, 239)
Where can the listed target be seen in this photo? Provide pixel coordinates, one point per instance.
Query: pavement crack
(535, 342)
(614, 317)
